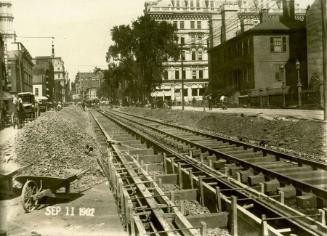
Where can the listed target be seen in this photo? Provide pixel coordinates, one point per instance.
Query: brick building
(43, 77)
(20, 69)
(262, 60)
(87, 84)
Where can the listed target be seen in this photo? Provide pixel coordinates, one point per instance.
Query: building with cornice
(6, 22)
(191, 18)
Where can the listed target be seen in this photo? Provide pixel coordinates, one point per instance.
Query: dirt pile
(301, 137)
(56, 146)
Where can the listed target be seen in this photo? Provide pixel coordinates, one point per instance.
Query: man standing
(222, 101)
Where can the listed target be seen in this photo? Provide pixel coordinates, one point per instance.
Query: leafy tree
(138, 53)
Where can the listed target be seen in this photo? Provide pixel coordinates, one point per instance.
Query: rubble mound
(56, 147)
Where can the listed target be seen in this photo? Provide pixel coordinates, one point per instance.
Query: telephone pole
(182, 65)
(324, 52)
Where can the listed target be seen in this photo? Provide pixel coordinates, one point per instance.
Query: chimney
(264, 15)
(288, 9)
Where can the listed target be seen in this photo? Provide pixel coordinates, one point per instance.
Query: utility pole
(182, 65)
(324, 51)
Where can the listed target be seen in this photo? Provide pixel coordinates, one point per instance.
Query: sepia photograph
(163, 118)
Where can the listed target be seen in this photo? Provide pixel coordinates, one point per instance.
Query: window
(278, 44)
(182, 40)
(194, 74)
(198, 3)
(201, 92)
(200, 74)
(192, 24)
(175, 24)
(185, 92)
(183, 55)
(192, 4)
(199, 23)
(181, 25)
(212, 4)
(194, 92)
(193, 39)
(186, 3)
(36, 91)
(193, 56)
(278, 72)
(177, 74)
(177, 4)
(165, 75)
(200, 56)
(183, 74)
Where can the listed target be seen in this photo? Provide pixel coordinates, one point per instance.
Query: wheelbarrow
(36, 188)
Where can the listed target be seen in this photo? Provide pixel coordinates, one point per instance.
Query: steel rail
(283, 178)
(268, 203)
(153, 206)
(313, 163)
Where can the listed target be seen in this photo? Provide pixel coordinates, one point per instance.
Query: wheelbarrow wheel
(29, 203)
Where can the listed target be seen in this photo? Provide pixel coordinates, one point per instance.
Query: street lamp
(282, 71)
(299, 84)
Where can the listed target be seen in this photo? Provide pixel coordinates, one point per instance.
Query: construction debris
(56, 147)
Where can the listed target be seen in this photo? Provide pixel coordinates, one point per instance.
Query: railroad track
(143, 207)
(207, 155)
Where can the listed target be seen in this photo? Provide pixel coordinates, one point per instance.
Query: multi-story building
(87, 84)
(237, 17)
(3, 76)
(20, 69)
(6, 22)
(262, 60)
(191, 17)
(43, 77)
(60, 78)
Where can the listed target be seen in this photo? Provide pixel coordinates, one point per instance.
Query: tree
(138, 53)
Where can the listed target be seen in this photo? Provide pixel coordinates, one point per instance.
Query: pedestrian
(13, 111)
(20, 112)
(222, 101)
(83, 105)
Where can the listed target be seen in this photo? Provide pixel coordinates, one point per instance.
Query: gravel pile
(192, 207)
(57, 147)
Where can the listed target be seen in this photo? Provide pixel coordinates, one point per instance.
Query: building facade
(239, 16)
(87, 84)
(20, 69)
(43, 77)
(191, 18)
(60, 79)
(262, 60)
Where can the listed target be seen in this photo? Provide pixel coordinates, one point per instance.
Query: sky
(81, 28)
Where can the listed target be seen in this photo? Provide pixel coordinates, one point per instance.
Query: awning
(5, 96)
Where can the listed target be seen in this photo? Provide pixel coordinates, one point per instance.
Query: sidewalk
(100, 216)
(265, 113)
